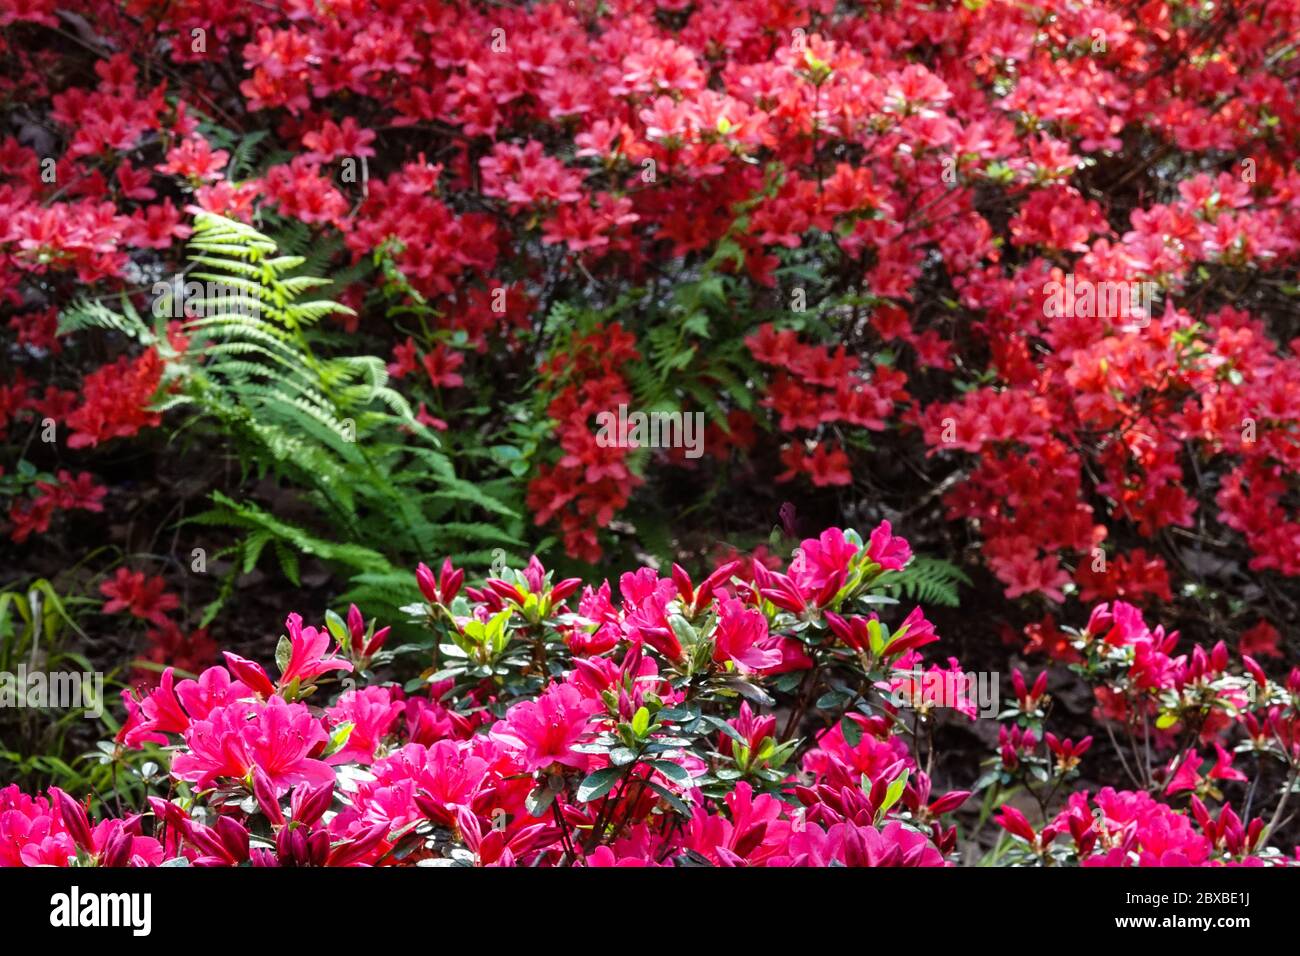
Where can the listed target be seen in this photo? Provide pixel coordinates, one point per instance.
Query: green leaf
(641, 722)
(672, 799)
(678, 714)
(622, 756)
(539, 800)
(726, 728)
(750, 690)
(338, 738)
(598, 783)
(283, 653)
(674, 772)
(926, 581)
(851, 730)
(893, 794)
(338, 628)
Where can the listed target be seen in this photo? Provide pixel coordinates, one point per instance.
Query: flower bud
(74, 818)
(308, 804)
(449, 581)
(376, 642)
(264, 792)
(564, 589)
(117, 851)
(424, 578)
(251, 674)
(356, 624)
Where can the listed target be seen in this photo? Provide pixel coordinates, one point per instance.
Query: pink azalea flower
(820, 559)
(835, 762)
(25, 822)
(1185, 776)
(738, 638)
(791, 655)
(213, 689)
(751, 727)
(1223, 769)
(276, 736)
(547, 728)
(849, 843)
(157, 714)
(887, 550)
(309, 657)
(1136, 824)
(414, 782)
(754, 832)
(372, 712)
(36, 832)
(610, 856)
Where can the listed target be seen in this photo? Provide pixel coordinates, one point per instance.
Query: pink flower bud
(449, 581)
(308, 804)
(424, 578)
(376, 642)
(564, 589)
(117, 851)
(251, 674)
(74, 818)
(356, 624)
(685, 589)
(264, 792)
(234, 839)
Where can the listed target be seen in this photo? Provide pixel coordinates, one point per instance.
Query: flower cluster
(147, 598)
(603, 145)
(637, 732)
(1176, 712)
(559, 727)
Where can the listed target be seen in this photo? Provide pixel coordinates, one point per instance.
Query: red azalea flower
(141, 596)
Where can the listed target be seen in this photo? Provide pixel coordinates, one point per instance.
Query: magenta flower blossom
(492, 846)
(739, 637)
(546, 729)
(414, 782)
(822, 559)
(752, 728)
(849, 844)
(251, 674)
(25, 821)
(278, 737)
(645, 599)
(836, 762)
(755, 831)
(40, 832)
(309, 655)
(169, 710)
(150, 719)
(214, 688)
(372, 712)
(1133, 824)
(887, 550)
(575, 773)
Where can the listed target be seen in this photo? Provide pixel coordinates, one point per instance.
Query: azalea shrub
(558, 726)
(299, 294)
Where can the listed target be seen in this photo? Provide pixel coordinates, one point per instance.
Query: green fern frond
(927, 581)
(328, 425)
(90, 314)
(243, 155)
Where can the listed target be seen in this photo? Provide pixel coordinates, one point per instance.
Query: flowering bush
(830, 170)
(558, 727)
